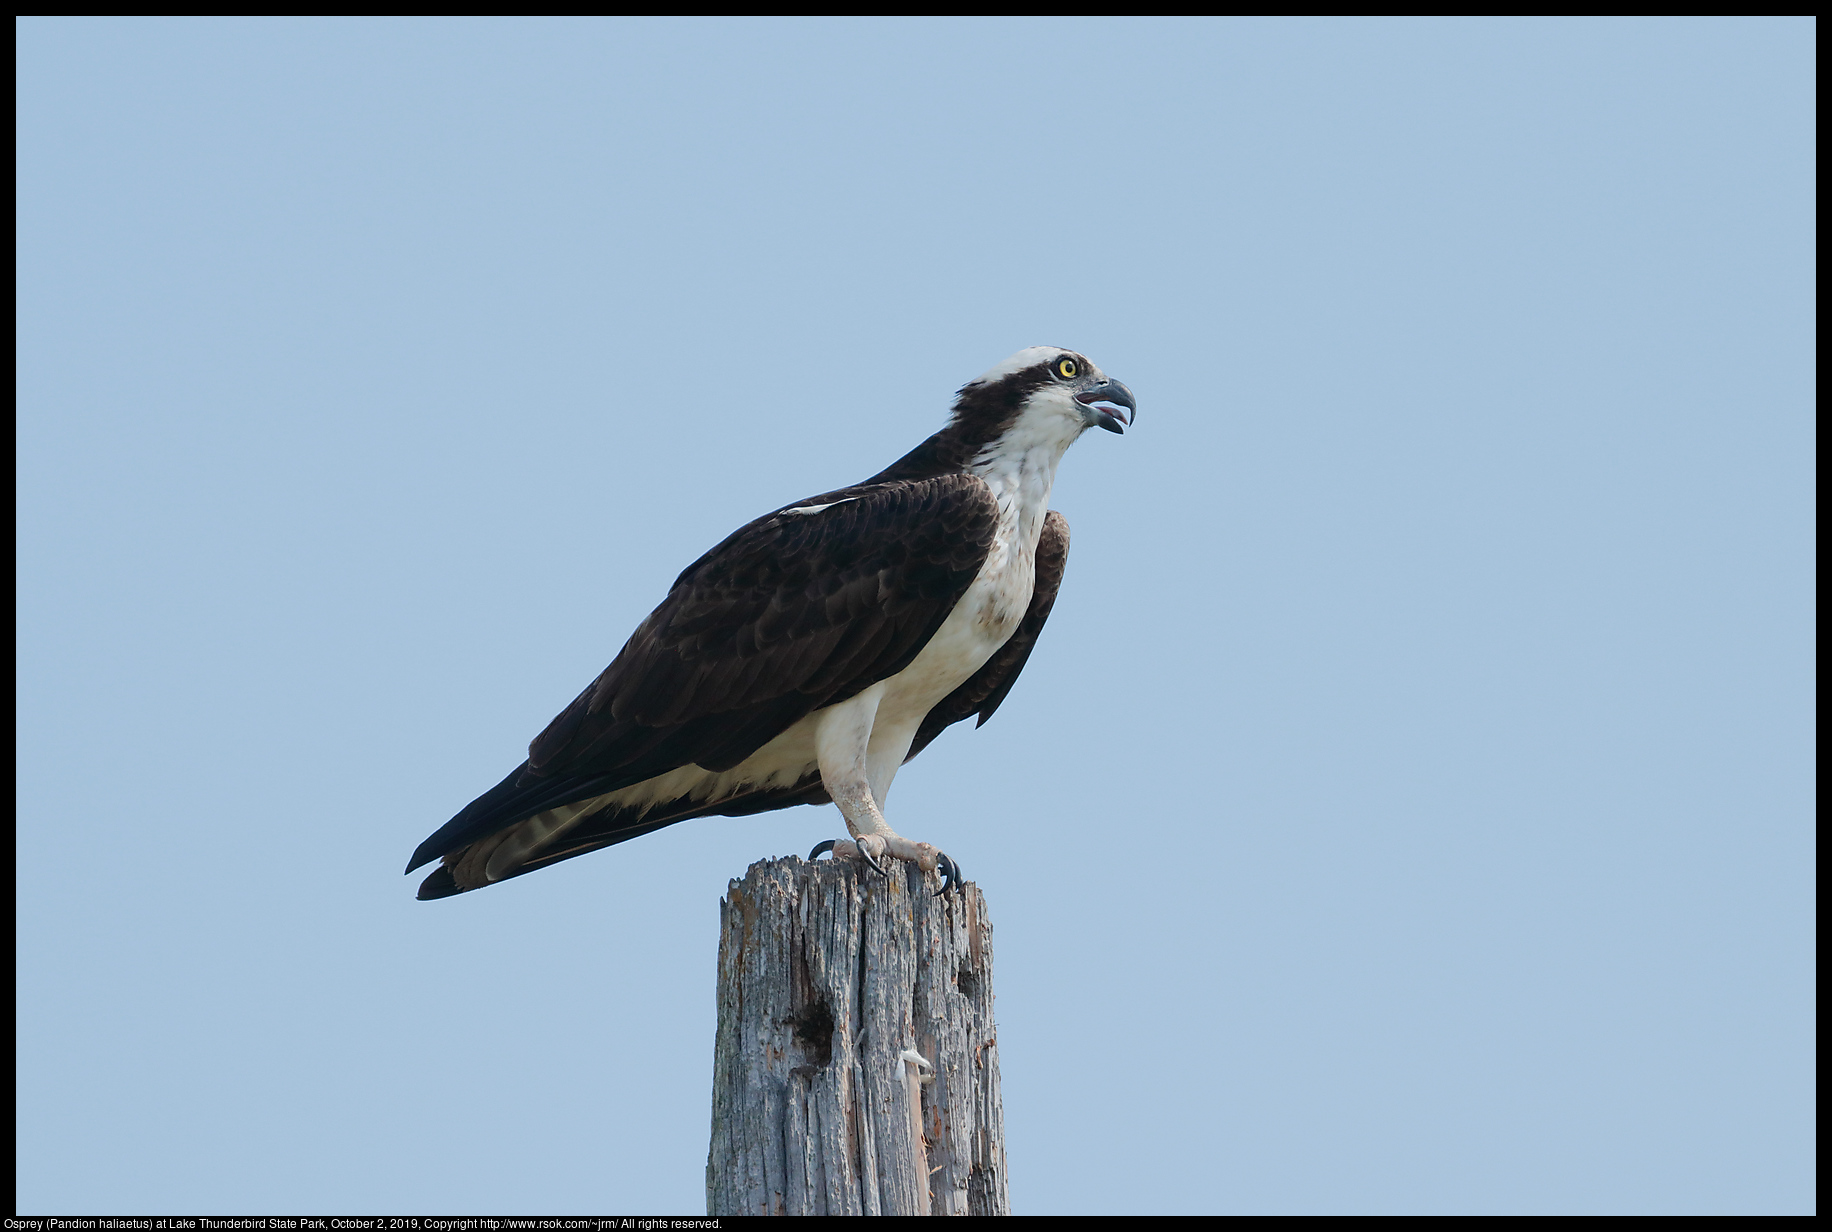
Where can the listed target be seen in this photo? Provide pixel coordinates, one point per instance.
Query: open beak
(1110, 406)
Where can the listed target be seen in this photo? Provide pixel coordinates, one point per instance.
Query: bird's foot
(874, 847)
(845, 849)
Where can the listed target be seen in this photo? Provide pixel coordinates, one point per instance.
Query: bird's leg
(841, 744)
(873, 838)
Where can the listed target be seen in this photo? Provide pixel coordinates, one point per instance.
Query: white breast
(984, 620)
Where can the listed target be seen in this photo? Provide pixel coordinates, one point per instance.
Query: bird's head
(1046, 389)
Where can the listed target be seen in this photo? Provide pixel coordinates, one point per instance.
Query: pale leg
(841, 743)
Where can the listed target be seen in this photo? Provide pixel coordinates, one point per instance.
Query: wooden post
(832, 982)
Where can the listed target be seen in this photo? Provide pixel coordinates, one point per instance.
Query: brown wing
(986, 688)
(796, 611)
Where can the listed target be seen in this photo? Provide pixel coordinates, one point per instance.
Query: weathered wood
(830, 978)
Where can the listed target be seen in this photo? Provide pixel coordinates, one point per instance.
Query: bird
(815, 650)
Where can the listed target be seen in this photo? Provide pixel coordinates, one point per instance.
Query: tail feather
(507, 803)
(492, 855)
(439, 885)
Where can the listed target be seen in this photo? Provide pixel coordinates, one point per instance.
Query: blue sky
(1406, 811)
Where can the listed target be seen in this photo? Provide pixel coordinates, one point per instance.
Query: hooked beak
(1109, 405)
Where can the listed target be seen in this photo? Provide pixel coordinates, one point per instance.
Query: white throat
(1020, 466)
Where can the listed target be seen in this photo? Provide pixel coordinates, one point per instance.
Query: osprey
(814, 651)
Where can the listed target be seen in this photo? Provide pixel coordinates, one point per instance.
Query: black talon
(873, 862)
(823, 847)
(950, 873)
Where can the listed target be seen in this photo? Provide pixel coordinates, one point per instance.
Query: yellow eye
(1066, 367)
